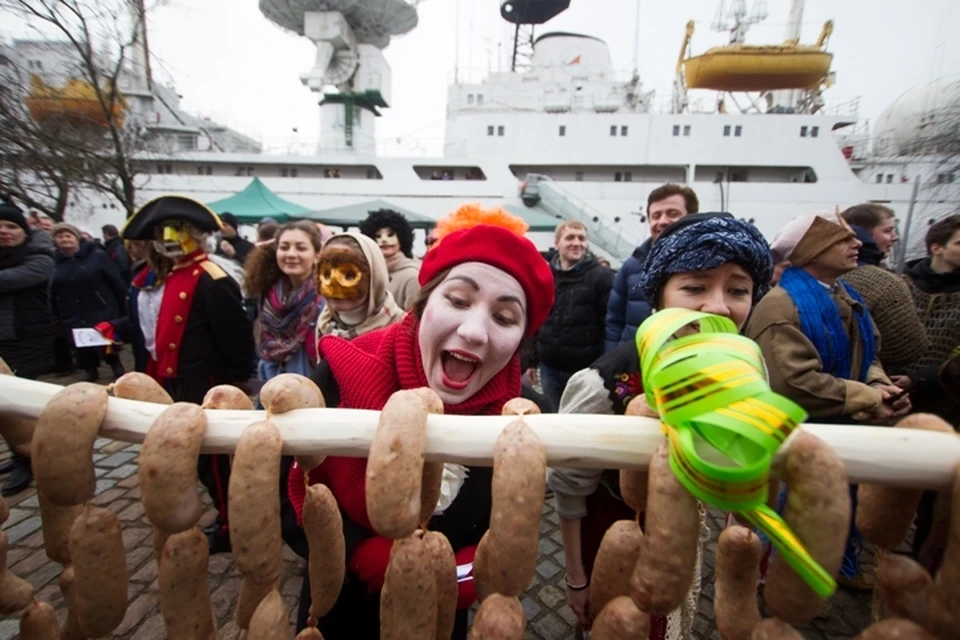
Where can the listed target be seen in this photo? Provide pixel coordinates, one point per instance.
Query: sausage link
(100, 563)
(254, 503)
(517, 489)
(289, 391)
(39, 622)
(896, 629)
(71, 627)
(444, 565)
(184, 591)
(818, 512)
(395, 466)
(250, 596)
(225, 397)
(408, 602)
(482, 582)
(520, 407)
(270, 620)
(168, 468)
(310, 633)
(943, 607)
(323, 526)
(617, 556)
(737, 570)
(633, 483)
(774, 629)
(63, 443)
(57, 522)
(620, 619)
(139, 386)
(15, 593)
(431, 481)
(885, 514)
(664, 572)
(498, 618)
(904, 585)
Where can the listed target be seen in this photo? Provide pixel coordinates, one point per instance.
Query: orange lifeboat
(76, 103)
(758, 68)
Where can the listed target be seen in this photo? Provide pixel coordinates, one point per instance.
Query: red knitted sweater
(368, 370)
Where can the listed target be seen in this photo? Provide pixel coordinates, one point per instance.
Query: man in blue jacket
(626, 309)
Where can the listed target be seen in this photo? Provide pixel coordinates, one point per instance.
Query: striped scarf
(287, 319)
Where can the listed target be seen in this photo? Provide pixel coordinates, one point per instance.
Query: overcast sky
(230, 63)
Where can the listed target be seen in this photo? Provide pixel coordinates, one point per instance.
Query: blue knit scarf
(821, 323)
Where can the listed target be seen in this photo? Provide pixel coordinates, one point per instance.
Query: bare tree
(58, 140)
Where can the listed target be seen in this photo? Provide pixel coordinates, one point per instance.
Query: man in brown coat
(820, 343)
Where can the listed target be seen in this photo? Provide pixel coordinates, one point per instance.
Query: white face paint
(472, 326)
(388, 241)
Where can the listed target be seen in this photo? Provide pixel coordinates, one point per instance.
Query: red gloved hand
(107, 330)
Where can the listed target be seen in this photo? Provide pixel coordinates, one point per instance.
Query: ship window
(803, 131)
(249, 171)
(293, 172)
(284, 172)
(618, 177)
(814, 132)
(479, 98)
(889, 178)
(738, 175)
(500, 131)
(578, 176)
(726, 130)
(686, 130)
(879, 178)
(737, 131)
(490, 130)
(469, 98)
(628, 176)
(563, 130)
(373, 174)
(240, 171)
(613, 130)
(623, 130)
(676, 130)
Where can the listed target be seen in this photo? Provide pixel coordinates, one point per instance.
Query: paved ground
(117, 489)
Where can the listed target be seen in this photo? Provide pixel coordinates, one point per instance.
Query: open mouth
(458, 369)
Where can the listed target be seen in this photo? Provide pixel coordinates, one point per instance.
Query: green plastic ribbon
(710, 389)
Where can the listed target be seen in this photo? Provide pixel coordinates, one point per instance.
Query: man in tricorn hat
(190, 315)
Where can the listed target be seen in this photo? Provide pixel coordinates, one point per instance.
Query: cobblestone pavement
(118, 489)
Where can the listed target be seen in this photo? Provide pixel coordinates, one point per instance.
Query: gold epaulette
(213, 269)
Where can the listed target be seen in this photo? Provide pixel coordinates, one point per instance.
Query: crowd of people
(480, 318)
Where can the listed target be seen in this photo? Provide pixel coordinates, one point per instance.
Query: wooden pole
(884, 455)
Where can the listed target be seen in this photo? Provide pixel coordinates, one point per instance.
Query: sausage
(737, 571)
(633, 482)
(227, 396)
(184, 592)
(71, 627)
(323, 526)
(159, 539)
(254, 503)
(289, 391)
(498, 618)
(885, 514)
(614, 563)
(39, 622)
(904, 585)
(139, 386)
(520, 407)
(431, 480)
(620, 619)
(270, 620)
(444, 565)
(517, 490)
(664, 572)
(408, 602)
(943, 607)
(818, 512)
(310, 633)
(774, 629)
(168, 468)
(250, 596)
(15, 593)
(100, 565)
(63, 443)
(482, 582)
(57, 522)
(18, 433)
(395, 466)
(896, 629)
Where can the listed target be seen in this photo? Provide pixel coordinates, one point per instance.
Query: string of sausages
(710, 391)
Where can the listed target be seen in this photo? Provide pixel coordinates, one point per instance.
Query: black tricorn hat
(141, 224)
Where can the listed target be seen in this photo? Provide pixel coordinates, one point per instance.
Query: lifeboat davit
(76, 103)
(758, 68)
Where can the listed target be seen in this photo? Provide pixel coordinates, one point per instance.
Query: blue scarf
(821, 323)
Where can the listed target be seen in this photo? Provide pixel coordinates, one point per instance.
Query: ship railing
(603, 232)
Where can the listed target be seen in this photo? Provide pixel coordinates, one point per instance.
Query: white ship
(559, 135)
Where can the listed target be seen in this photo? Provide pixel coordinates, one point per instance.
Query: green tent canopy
(536, 217)
(351, 215)
(257, 201)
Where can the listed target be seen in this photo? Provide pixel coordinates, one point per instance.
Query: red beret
(503, 249)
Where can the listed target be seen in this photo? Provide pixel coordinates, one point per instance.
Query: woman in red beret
(484, 288)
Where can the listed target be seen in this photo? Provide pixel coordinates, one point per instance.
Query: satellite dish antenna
(343, 65)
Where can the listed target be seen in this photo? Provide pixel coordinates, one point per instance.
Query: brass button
(169, 371)
(178, 319)
(172, 347)
(183, 295)
(196, 272)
